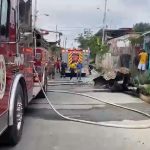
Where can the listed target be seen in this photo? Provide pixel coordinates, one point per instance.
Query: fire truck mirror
(25, 36)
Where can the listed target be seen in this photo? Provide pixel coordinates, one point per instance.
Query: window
(4, 19)
(25, 12)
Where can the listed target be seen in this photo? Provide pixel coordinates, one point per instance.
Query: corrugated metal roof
(148, 32)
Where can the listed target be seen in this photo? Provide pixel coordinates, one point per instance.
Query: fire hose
(104, 124)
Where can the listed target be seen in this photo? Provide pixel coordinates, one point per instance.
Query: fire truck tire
(41, 93)
(14, 132)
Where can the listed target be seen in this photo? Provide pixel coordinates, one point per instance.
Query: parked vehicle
(76, 55)
(18, 85)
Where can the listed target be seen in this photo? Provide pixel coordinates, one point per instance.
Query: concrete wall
(120, 52)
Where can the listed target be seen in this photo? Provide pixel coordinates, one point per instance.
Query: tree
(94, 44)
(55, 48)
(83, 41)
(136, 41)
(96, 47)
(141, 27)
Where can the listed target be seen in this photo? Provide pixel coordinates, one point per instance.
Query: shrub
(144, 78)
(141, 79)
(145, 90)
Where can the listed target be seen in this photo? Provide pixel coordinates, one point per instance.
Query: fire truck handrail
(18, 40)
(8, 42)
(12, 97)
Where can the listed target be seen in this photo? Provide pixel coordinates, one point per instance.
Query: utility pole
(35, 15)
(56, 32)
(66, 43)
(63, 43)
(104, 22)
(34, 26)
(72, 44)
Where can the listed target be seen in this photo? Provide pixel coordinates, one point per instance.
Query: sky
(73, 16)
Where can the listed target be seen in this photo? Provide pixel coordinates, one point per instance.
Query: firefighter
(72, 70)
(63, 69)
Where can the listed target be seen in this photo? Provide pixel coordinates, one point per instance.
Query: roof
(125, 37)
(114, 33)
(146, 33)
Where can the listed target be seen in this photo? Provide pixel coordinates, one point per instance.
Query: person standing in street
(90, 69)
(72, 70)
(143, 59)
(58, 66)
(63, 69)
(51, 68)
(79, 70)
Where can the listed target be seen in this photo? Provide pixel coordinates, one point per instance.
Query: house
(146, 44)
(111, 34)
(114, 33)
(121, 53)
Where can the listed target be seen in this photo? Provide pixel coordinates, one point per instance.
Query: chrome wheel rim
(19, 113)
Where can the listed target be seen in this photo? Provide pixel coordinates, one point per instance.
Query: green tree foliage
(141, 27)
(83, 41)
(136, 41)
(96, 47)
(94, 43)
(55, 48)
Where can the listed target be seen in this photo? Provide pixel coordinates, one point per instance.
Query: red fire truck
(40, 63)
(17, 82)
(76, 55)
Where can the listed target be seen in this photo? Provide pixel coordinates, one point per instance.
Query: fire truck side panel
(16, 63)
(25, 45)
(17, 84)
(41, 60)
(6, 53)
(28, 71)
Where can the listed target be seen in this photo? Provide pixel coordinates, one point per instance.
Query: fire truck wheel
(45, 83)
(14, 132)
(41, 93)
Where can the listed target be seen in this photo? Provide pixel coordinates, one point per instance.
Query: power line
(79, 27)
(71, 28)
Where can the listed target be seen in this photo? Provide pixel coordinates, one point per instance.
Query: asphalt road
(44, 130)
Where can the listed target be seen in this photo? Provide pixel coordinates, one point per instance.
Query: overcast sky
(72, 16)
